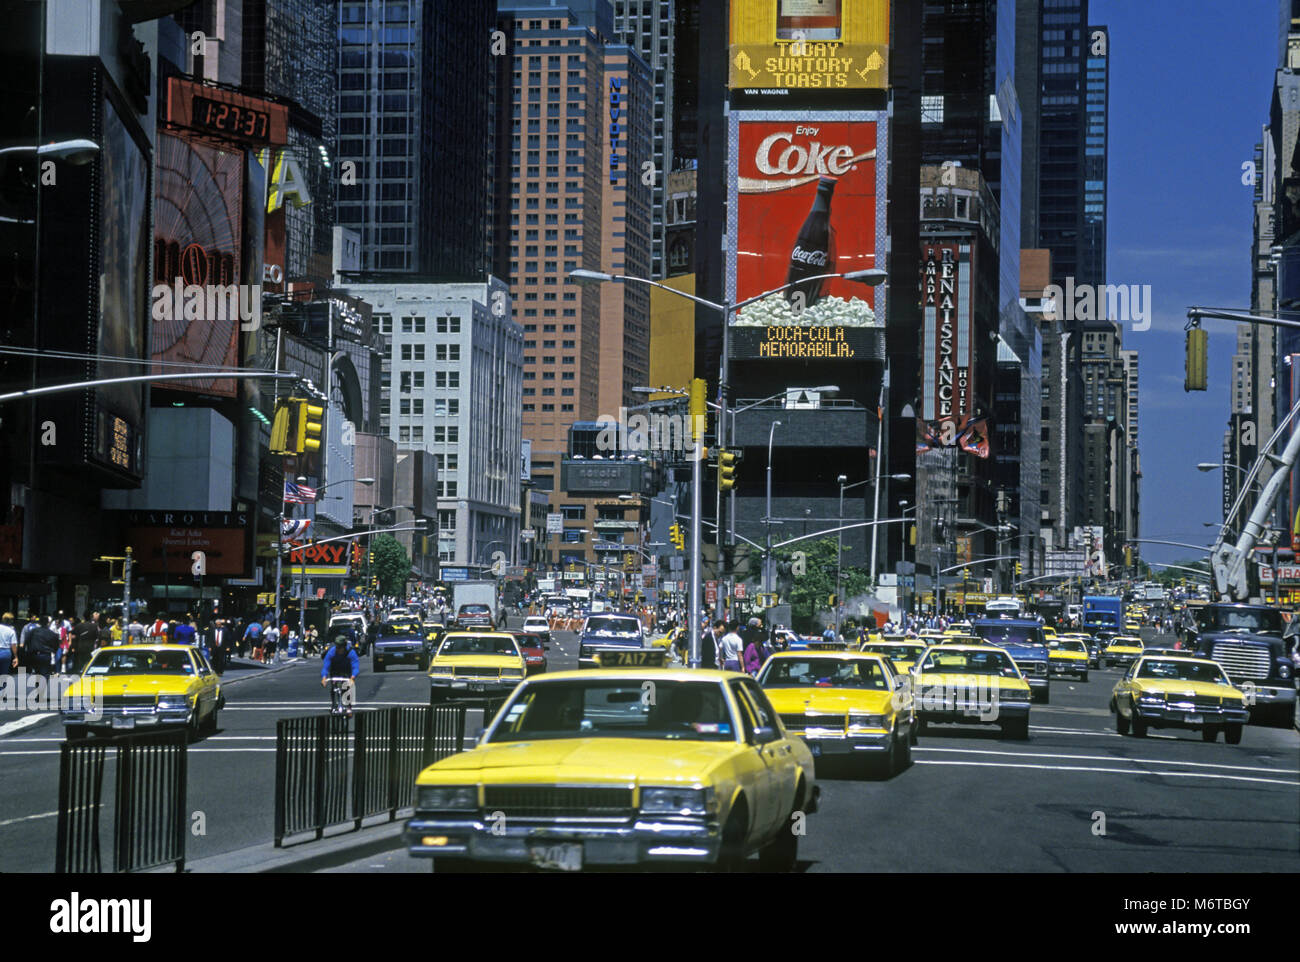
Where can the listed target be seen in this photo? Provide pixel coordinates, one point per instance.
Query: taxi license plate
(123, 722)
(1194, 719)
(477, 686)
(567, 857)
(459, 684)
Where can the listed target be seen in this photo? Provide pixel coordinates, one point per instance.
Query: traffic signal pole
(697, 410)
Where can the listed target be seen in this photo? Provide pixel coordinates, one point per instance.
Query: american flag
(298, 493)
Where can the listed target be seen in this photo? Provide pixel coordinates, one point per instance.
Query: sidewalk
(340, 846)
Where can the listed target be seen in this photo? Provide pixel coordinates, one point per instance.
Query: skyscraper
(647, 27)
(413, 83)
(583, 113)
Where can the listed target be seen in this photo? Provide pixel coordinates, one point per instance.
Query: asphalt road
(970, 802)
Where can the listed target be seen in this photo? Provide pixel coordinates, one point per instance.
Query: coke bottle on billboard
(814, 249)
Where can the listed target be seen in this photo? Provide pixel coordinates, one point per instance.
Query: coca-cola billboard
(807, 200)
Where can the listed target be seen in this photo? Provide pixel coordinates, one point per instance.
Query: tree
(810, 591)
(392, 566)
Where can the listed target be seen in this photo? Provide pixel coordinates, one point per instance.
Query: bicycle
(340, 703)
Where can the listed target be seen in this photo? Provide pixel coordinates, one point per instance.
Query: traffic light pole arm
(145, 378)
(981, 561)
(1196, 314)
(846, 527)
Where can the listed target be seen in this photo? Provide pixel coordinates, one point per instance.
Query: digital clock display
(231, 119)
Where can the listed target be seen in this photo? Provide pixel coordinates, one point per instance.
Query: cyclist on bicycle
(342, 662)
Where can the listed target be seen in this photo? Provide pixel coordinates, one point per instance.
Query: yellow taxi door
(776, 779)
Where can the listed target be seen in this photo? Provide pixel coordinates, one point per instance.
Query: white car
(536, 624)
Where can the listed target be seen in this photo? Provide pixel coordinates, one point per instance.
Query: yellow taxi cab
(902, 652)
(1177, 691)
(1122, 650)
(971, 684)
(621, 766)
(1132, 627)
(1067, 656)
(476, 663)
(962, 640)
(133, 687)
(844, 704)
(1049, 632)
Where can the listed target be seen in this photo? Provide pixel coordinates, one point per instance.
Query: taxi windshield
(990, 662)
(824, 673)
(1182, 671)
(398, 628)
(141, 663)
(617, 708)
(1125, 641)
(905, 652)
(1068, 644)
(478, 645)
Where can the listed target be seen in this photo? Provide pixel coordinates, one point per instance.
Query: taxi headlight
(173, 703)
(440, 671)
(1283, 669)
(1011, 694)
(862, 720)
(678, 801)
(460, 798)
(512, 673)
(1151, 699)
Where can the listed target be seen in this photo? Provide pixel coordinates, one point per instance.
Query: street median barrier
(148, 808)
(330, 769)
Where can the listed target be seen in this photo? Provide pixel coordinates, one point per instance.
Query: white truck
(474, 604)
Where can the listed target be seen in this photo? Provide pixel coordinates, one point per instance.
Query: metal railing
(329, 771)
(149, 802)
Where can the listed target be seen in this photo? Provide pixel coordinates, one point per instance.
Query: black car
(400, 643)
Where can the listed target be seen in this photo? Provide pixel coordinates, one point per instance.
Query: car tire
(782, 853)
(73, 732)
(423, 663)
(904, 761)
(1122, 724)
(377, 665)
(1083, 677)
(1232, 734)
(437, 696)
(922, 727)
(192, 730)
(914, 728)
(210, 725)
(1139, 724)
(456, 866)
(731, 856)
(1209, 733)
(1017, 729)
(1047, 695)
(882, 767)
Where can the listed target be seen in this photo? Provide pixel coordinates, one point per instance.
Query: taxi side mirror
(764, 734)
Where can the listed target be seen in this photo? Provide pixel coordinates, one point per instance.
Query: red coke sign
(809, 201)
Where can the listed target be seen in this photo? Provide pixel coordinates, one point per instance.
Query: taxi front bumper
(1188, 715)
(639, 840)
(470, 684)
(1068, 667)
(114, 717)
(837, 741)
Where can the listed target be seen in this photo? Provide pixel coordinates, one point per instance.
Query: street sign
(527, 534)
(554, 523)
(711, 592)
(740, 591)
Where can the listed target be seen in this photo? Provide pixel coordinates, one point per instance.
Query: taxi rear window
(618, 708)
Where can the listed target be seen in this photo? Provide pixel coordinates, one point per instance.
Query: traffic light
(911, 536)
(831, 601)
(310, 428)
(676, 537)
(1018, 568)
(1197, 365)
(726, 470)
(697, 409)
(284, 427)
(371, 558)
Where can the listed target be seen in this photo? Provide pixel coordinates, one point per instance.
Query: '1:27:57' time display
(231, 119)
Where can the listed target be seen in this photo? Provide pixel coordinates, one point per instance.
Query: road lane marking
(27, 721)
(1109, 771)
(1109, 758)
(26, 818)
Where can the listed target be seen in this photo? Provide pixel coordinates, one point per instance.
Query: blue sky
(1190, 88)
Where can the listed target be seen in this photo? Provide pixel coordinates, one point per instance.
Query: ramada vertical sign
(946, 297)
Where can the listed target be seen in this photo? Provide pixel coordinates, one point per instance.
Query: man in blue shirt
(342, 661)
(184, 633)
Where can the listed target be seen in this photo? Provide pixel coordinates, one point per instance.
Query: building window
(450, 352)
(446, 379)
(412, 352)
(448, 325)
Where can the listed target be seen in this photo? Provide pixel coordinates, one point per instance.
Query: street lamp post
(839, 554)
(767, 517)
(902, 554)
